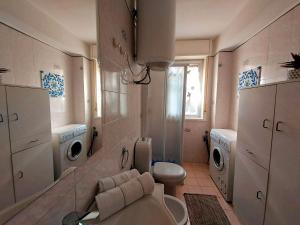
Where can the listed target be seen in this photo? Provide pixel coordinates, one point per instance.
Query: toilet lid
(171, 172)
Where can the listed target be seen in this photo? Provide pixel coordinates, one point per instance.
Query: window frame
(97, 111)
(185, 64)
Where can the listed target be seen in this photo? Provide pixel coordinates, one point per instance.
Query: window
(97, 91)
(194, 101)
(194, 89)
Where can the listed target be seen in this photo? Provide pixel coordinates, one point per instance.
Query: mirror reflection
(50, 95)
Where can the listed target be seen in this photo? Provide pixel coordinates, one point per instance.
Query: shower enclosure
(163, 113)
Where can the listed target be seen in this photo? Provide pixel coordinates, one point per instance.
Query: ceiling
(76, 16)
(205, 19)
(196, 19)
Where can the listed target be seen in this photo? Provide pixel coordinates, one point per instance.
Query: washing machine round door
(218, 158)
(74, 150)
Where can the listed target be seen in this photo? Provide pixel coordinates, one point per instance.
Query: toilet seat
(168, 172)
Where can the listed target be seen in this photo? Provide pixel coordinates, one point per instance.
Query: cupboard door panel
(283, 204)
(6, 179)
(33, 170)
(255, 124)
(250, 186)
(29, 113)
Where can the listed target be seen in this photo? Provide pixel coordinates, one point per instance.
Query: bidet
(177, 208)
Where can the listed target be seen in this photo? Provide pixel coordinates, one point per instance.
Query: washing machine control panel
(65, 137)
(72, 133)
(80, 130)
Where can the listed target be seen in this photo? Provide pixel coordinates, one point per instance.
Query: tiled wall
(221, 90)
(26, 57)
(121, 104)
(267, 49)
(121, 128)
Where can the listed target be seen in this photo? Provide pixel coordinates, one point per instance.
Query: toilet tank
(143, 154)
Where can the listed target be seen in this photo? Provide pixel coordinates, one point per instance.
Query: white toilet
(170, 174)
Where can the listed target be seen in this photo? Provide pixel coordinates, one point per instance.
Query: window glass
(98, 94)
(194, 105)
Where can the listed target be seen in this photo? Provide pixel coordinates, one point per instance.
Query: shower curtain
(163, 113)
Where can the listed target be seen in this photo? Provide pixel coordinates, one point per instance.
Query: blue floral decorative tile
(55, 83)
(249, 78)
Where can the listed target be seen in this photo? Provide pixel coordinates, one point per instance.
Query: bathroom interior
(139, 112)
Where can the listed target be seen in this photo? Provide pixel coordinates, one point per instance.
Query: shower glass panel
(174, 113)
(164, 113)
(153, 114)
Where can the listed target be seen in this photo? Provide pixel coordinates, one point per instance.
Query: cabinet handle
(20, 174)
(16, 117)
(249, 152)
(33, 141)
(4, 70)
(264, 123)
(1, 118)
(259, 195)
(277, 126)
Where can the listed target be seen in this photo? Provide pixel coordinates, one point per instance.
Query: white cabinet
(267, 171)
(256, 114)
(33, 170)
(283, 204)
(26, 157)
(6, 182)
(29, 114)
(250, 190)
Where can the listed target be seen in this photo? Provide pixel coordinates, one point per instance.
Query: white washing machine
(69, 147)
(221, 163)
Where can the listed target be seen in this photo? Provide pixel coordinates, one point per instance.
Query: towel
(106, 184)
(120, 178)
(110, 202)
(133, 173)
(147, 183)
(132, 191)
(113, 200)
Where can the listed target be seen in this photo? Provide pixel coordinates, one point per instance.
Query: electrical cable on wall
(145, 73)
(131, 12)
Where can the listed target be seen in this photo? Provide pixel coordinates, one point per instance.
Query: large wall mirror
(44, 132)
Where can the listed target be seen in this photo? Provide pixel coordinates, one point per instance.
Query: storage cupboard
(26, 163)
(267, 171)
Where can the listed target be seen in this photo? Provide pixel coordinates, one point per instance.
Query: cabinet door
(249, 193)
(255, 124)
(29, 113)
(283, 203)
(6, 178)
(33, 170)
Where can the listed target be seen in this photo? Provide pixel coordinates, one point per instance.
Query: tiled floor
(198, 181)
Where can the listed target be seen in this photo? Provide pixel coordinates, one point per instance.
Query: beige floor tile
(191, 181)
(198, 181)
(205, 182)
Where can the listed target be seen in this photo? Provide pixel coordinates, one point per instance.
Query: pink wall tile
(111, 106)
(194, 149)
(268, 49)
(26, 57)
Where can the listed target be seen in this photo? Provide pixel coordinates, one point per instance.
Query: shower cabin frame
(145, 132)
